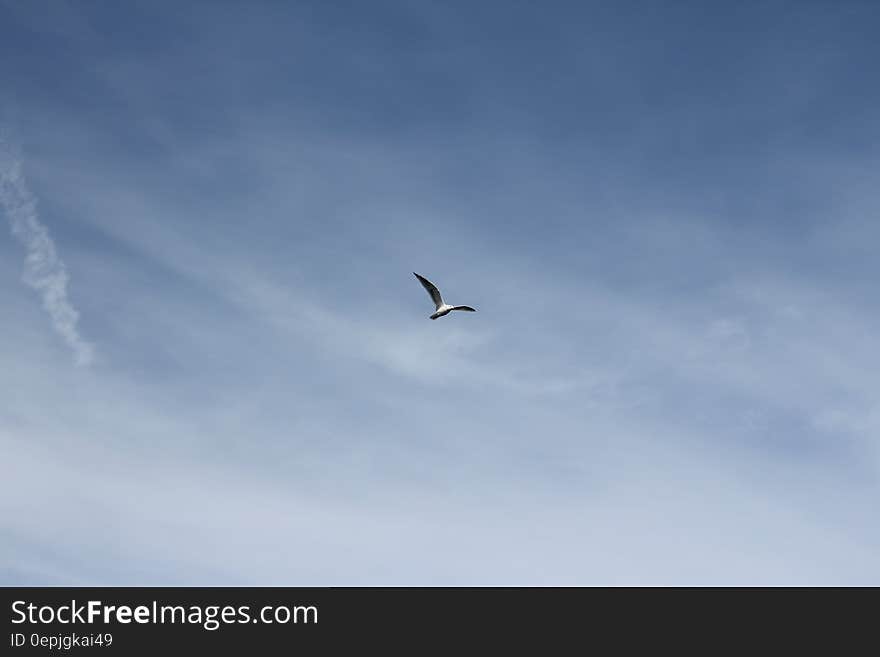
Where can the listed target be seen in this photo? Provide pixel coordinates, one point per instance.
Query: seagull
(442, 308)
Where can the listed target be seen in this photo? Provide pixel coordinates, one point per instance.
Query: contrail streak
(43, 268)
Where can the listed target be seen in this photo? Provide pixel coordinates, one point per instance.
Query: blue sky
(217, 367)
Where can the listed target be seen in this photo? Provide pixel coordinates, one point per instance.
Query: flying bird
(442, 308)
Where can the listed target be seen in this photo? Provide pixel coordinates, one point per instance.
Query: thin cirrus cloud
(44, 270)
(672, 378)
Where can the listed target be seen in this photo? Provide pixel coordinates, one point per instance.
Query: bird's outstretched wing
(468, 308)
(432, 290)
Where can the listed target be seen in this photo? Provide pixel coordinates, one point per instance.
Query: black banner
(129, 621)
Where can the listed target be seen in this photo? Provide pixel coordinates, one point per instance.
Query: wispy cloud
(43, 269)
(672, 377)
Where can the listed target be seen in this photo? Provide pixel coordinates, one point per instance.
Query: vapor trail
(43, 268)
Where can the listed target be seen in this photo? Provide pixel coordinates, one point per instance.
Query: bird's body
(442, 308)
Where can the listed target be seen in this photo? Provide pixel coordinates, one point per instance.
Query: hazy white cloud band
(43, 269)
